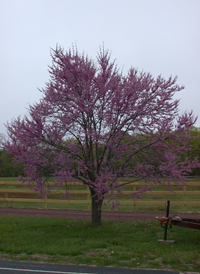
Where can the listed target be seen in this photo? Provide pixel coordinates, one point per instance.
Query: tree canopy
(94, 125)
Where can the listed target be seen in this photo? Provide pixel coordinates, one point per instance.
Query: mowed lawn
(124, 244)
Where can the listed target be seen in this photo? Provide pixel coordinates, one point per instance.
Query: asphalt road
(14, 267)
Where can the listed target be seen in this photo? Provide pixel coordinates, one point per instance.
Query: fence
(15, 192)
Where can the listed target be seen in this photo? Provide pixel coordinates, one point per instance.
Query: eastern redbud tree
(95, 125)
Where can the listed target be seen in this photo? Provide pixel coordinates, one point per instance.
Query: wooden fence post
(185, 198)
(6, 194)
(88, 198)
(134, 204)
(45, 199)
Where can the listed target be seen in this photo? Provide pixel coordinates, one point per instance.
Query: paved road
(14, 267)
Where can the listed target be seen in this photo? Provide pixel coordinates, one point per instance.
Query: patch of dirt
(86, 215)
(98, 252)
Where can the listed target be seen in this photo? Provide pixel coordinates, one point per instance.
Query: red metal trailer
(178, 221)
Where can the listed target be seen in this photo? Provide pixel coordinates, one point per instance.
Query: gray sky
(156, 36)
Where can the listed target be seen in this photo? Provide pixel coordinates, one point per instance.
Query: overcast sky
(156, 36)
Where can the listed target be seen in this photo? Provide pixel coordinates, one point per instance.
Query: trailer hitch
(177, 221)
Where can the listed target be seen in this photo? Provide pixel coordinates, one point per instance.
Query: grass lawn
(124, 244)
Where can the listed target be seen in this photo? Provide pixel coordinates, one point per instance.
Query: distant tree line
(9, 168)
(195, 152)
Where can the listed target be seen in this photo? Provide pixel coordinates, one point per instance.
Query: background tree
(120, 126)
(195, 148)
(8, 168)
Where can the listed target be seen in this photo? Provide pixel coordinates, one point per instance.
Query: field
(186, 199)
(124, 244)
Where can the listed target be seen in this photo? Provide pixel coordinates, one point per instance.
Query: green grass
(125, 208)
(8, 179)
(122, 244)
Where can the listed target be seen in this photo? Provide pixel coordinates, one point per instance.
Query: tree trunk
(96, 209)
